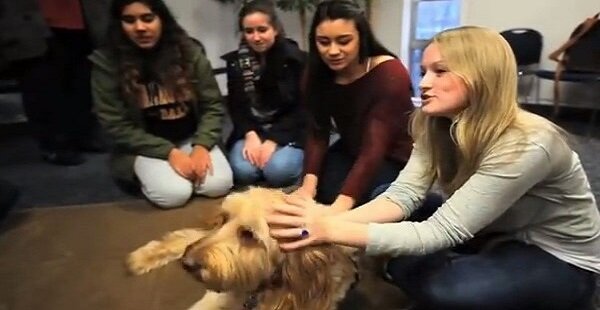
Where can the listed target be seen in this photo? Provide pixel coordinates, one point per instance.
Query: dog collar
(275, 281)
(251, 302)
(356, 275)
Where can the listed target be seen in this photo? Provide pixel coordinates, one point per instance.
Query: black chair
(527, 45)
(589, 78)
(578, 61)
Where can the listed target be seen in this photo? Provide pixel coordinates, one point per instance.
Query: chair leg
(538, 84)
(528, 87)
(556, 101)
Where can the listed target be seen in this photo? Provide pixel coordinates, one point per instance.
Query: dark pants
(336, 168)
(510, 275)
(56, 90)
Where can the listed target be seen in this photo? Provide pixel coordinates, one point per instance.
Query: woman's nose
(333, 49)
(139, 25)
(425, 82)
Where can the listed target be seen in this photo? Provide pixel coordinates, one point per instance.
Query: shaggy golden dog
(242, 267)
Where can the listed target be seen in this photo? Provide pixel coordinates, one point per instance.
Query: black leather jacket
(284, 68)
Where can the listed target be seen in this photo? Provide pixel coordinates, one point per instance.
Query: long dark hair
(320, 76)
(168, 61)
(261, 6)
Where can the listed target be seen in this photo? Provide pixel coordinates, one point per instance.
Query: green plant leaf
(297, 5)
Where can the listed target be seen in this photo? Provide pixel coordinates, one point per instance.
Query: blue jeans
(509, 275)
(336, 167)
(283, 169)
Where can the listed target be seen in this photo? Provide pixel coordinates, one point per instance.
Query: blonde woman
(520, 228)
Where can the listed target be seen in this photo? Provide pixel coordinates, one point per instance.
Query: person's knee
(217, 185)
(454, 294)
(284, 168)
(397, 272)
(216, 188)
(416, 276)
(245, 174)
(280, 173)
(169, 197)
(243, 171)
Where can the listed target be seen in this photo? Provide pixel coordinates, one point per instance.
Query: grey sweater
(531, 187)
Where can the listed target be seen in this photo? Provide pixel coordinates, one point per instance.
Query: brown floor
(72, 258)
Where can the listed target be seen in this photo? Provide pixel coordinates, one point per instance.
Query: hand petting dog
(299, 222)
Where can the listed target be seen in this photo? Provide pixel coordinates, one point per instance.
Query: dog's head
(239, 255)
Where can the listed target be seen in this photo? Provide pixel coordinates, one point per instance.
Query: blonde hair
(484, 61)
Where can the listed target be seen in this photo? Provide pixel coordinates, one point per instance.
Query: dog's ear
(214, 221)
(220, 219)
(248, 236)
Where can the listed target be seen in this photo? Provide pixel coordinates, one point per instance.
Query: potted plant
(303, 7)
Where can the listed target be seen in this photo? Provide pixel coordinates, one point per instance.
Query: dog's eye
(225, 217)
(246, 235)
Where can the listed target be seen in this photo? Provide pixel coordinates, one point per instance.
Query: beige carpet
(72, 258)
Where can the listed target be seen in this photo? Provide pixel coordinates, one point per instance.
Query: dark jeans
(336, 168)
(510, 275)
(56, 90)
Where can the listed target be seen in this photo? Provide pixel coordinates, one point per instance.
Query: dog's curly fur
(239, 258)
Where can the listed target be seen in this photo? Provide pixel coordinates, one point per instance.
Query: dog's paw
(159, 253)
(147, 258)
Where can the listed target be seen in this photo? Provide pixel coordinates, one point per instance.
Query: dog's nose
(190, 264)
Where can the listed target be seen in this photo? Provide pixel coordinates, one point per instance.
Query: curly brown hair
(169, 62)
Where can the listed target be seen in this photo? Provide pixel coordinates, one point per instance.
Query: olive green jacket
(123, 122)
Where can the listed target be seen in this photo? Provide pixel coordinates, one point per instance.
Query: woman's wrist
(309, 182)
(343, 203)
(327, 224)
(335, 230)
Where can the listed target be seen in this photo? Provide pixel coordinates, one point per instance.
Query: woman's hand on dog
(288, 221)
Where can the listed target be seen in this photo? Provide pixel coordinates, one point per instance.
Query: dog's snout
(190, 264)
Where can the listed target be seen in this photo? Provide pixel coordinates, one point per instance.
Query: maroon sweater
(371, 116)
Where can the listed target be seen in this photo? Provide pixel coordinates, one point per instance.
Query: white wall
(387, 20)
(554, 19)
(215, 24)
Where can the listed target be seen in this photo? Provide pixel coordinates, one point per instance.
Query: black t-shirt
(164, 116)
(267, 105)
